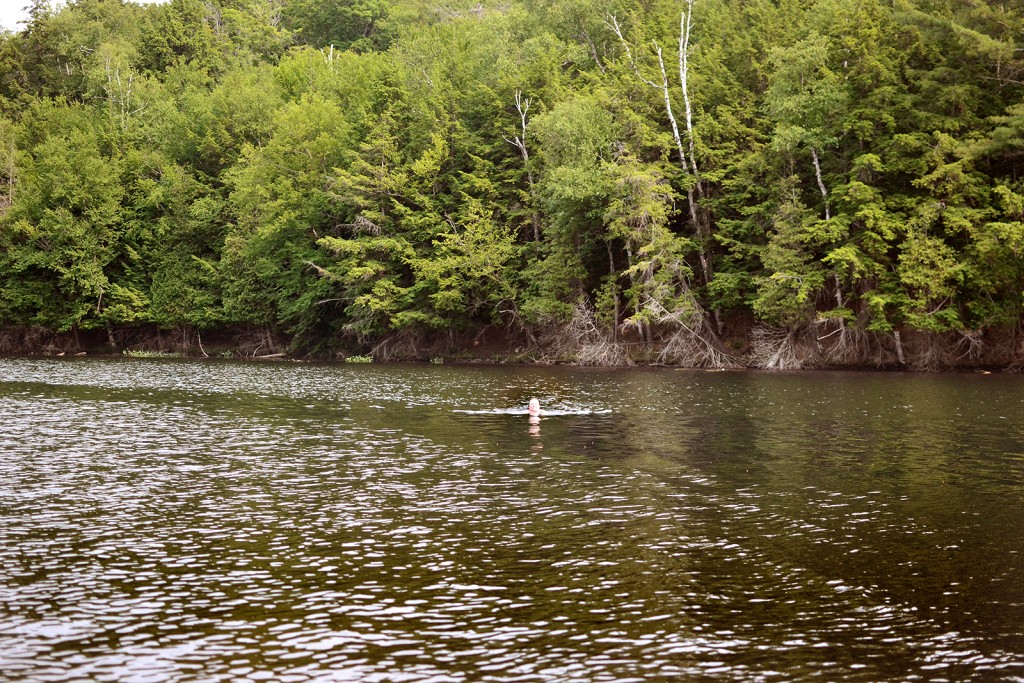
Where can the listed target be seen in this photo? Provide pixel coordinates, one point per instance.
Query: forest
(704, 183)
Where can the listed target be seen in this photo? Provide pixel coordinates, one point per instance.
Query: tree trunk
(110, 337)
(615, 293)
(685, 23)
(821, 183)
(519, 142)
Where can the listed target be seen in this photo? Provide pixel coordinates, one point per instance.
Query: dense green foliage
(832, 181)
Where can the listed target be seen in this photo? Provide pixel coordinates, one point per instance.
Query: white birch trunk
(821, 182)
(687, 161)
(668, 110)
(519, 142)
(663, 87)
(685, 23)
(899, 347)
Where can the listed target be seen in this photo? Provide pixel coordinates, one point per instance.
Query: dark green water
(170, 521)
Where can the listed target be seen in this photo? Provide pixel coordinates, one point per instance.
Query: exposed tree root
(928, 352)
(687, 349)
(970, 346)
(778, 349)
(256, 342)
(604, 353)
(582, 341)
(37, 340)
(679, 338)
(845, 345)
(881, 350)
(691, 343)
(402, 345)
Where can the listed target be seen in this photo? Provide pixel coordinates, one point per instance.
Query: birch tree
(686, 150)
(805, 99)
(695, 339)
(519, 142)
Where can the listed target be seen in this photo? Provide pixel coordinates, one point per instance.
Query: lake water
(216, 521)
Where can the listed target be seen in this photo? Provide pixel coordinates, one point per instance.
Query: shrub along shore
(701, 183)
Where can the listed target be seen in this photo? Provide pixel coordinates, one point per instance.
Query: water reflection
(231, 522)
(534, 421)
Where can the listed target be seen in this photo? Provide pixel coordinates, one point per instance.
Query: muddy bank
(753, 347)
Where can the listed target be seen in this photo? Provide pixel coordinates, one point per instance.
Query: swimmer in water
(534, 410)
(534, 407)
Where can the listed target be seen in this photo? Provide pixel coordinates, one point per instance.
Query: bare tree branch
(613, 23)
(519, 142)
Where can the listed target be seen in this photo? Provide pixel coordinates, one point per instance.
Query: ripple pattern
(195, 522)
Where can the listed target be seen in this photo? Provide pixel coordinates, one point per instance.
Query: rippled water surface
(186, 521)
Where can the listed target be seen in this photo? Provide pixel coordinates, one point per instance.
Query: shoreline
(1001, 353)
(480, 362)
(468, 360)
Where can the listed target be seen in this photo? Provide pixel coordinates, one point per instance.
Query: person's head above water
(534, 407)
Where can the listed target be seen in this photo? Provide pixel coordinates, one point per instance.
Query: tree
(341, 24)
(179, 33)
(61, 236)
(282, 200)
